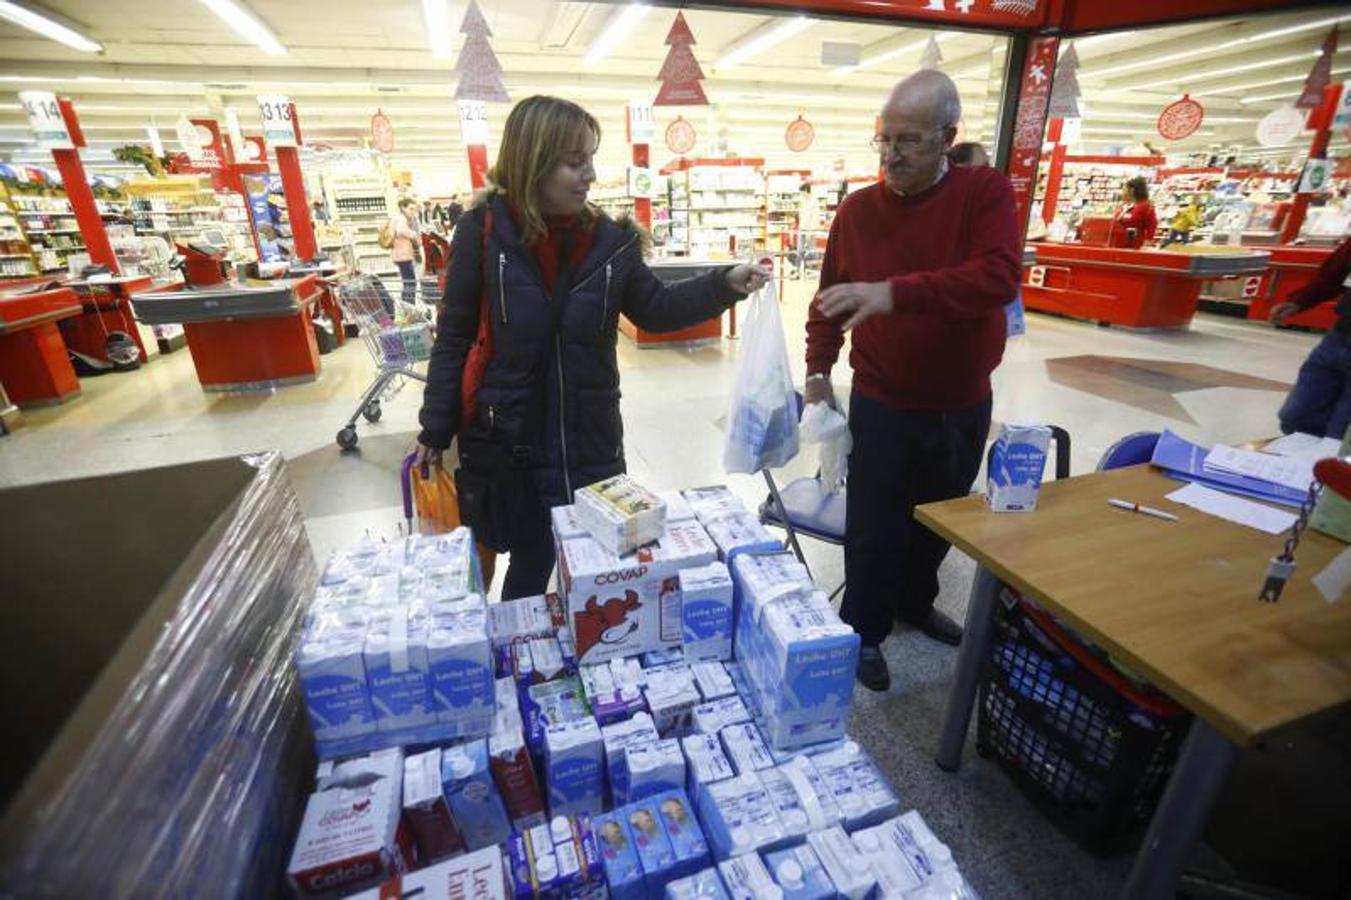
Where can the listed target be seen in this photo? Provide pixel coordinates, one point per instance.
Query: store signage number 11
(279, 128)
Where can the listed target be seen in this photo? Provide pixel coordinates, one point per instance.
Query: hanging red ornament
(680, 136)
(382, 132)
(1181, 118)
(799, 135)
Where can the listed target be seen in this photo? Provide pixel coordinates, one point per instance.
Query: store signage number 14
(279, 129)
(44, 115)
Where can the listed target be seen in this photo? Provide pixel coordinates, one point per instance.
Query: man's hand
(860, 301)
(747, 279)
(1282, 311)
(818, 390)
(427, 458)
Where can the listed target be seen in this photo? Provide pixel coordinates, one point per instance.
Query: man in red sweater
(1320, 401)
(918, 270)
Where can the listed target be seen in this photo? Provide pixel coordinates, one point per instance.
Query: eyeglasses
(881, 143)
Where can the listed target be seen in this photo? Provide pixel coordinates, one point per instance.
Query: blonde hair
(540, 131)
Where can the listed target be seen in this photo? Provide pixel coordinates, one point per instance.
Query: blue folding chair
(1131, 450)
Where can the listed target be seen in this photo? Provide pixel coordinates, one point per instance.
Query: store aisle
(1220, 381)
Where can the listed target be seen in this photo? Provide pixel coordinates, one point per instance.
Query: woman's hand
(427, 458)
(747, 279)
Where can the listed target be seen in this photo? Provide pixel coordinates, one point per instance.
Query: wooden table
(1175, 601)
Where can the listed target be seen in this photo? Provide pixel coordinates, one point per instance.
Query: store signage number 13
(279, 129)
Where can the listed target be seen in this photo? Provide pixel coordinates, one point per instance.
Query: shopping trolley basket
(398, 336)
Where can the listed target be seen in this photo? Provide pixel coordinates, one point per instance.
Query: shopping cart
(398, 336)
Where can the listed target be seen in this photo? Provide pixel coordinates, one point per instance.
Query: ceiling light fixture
(615, 31)
(1232, 70)
(246, 25)
(889, 55)
(436, 16)
(1226, 45)
(1238, 88)
(47, 27)
(760, 40)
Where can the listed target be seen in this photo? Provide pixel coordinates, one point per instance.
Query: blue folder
(1185, 461)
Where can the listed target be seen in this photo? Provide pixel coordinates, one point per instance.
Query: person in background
(968, 153)
(318, 212)
(1137, 222)
(534, 408)
(1184, 223)
(454, 211)
(1320, 401)
(406, 250)
(918, 269)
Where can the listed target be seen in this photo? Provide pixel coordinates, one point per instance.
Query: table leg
(975, 647)
(1196, 781)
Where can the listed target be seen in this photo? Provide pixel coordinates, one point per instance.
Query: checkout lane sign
(44, 115)
(279, 127)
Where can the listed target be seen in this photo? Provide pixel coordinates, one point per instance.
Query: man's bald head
(927, 95)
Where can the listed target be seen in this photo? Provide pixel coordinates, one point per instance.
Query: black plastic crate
(1088, 745)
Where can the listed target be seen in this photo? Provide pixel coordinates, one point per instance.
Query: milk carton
(332, 671)
(739, 817)
(711, 677)
(349, 837)
(810, 793)
(747, 878)
(574, 760)
(706, 612)
(513, 621)
(671, 698)
(611, 701)
(552, 703)
(617, 739)
(623, 869)
(628, 671)
(461, 671)
(507, 709)
(787, 803)
(849, 870)
(682, 828)
(705, 762)
(908, 859)
(678, 508)
(623, 606)
(475, 804)
(480, 875)
(741, 533)
(856, 785)
(715, 502)
(654, 847)
(567, 523)
(557, 860)
(1017, 462)
(548, 659)
(799, 873)
(746, 748)
(398, 673)
(784, 756)
(669, 656)
(514, 774)
(426, 811)
(621, 514)
(654, 767)
(705, 885)
(715, 715)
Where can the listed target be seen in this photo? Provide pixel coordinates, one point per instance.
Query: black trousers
(901, 459)
(530, 561)
(408, 273)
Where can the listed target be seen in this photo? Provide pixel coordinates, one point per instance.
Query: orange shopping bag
(429, 491)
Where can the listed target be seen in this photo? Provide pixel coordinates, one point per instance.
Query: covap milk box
(480, 875)
(705, 885)
(747, 879)
(739, 817)
(476, 806)
(654, 767)
(623, 870)
(574, 762)
(706, 612)
(849, 870)
(798, 871)
(621, 514)
(624, 606)
(1017, 462)
(426, 811)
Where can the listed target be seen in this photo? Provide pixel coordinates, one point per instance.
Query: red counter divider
(34, 366)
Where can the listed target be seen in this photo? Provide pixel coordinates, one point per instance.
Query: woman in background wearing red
(1135, 225)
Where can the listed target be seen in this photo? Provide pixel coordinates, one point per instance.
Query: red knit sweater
(952, 255)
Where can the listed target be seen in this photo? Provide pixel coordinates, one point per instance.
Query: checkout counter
(669, 270)
(34, 366)
(1133, 288)
(252, 336)
(105, 307)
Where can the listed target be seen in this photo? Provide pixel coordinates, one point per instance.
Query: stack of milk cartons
(798, 658)
(909, 862)
(733, 527)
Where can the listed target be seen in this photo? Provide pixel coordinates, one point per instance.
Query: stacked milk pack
(395, 650)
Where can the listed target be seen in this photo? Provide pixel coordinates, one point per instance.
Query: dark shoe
(872, 669)
(940, 628)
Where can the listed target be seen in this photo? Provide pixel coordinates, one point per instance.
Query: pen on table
(1143, 510)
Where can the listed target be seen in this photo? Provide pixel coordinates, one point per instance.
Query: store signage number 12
(279, 129)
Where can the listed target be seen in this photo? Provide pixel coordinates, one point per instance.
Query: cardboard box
(1017, 462)
(481, 875)
(620, 514)
(624, 606)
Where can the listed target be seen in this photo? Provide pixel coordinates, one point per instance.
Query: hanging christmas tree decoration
(932, 55)
(1320, 75)
(1181, 118)
(1065, 93)
(680, 73)
(478, 68)
(680, 136)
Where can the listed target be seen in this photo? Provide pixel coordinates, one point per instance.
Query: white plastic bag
(762, 430)
(829, 428)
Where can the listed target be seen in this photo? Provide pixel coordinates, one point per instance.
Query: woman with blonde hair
(524, 370)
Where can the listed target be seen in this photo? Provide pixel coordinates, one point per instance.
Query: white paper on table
(1300, 444)
(1233, 509)
(1289, 471)
(1335, 580)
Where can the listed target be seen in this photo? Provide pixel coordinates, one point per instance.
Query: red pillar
(1320, 119)
(1053, 173)
(478, 165)
(642, 206)
(81, 198)
(297, 204)
(1029, 121)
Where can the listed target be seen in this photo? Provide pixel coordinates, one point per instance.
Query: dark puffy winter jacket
(577, 434)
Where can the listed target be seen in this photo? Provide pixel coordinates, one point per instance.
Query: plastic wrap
(193, 782)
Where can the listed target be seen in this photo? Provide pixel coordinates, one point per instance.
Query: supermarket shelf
(53, 231)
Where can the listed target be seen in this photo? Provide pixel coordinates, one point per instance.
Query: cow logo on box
(608, 623)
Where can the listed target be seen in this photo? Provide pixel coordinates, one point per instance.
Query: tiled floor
(1220, 381)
